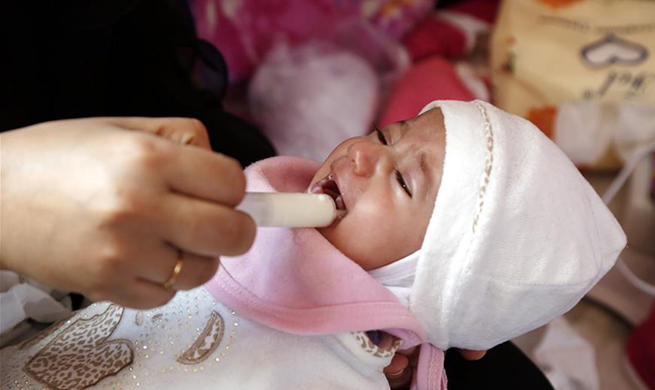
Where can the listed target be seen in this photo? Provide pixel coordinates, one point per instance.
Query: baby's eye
(403, 184)
(381, 137)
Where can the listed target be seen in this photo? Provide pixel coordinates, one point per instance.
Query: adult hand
(399, 371)
(93, 206)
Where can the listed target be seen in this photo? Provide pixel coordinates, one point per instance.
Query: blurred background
(296, 77)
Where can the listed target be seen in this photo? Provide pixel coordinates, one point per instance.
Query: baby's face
(388, 183)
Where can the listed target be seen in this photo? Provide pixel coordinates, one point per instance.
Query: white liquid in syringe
(284, 209)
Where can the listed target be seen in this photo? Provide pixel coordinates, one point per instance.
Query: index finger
(206, 175)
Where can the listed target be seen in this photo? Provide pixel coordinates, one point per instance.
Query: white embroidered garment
(193, 342)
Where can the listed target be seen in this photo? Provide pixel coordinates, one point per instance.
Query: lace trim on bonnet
(488, 163)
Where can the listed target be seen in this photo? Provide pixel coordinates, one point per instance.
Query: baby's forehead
(426, 127)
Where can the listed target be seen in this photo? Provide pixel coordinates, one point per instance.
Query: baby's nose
(367, 156)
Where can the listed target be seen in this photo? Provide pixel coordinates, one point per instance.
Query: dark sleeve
(82, 58)
(504, 366)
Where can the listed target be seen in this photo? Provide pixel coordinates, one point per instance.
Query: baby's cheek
(371, 224)
(377, 207)
(382, 238)
(369, 234)
(395, 234)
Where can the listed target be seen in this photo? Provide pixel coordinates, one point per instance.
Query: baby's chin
(332, 232)
(336, 234)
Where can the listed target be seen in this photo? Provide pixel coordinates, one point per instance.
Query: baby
(465, 227)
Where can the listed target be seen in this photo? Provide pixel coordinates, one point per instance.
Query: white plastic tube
(283, 209)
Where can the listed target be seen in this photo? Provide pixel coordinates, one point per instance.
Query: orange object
(544, 119)
(559, 3)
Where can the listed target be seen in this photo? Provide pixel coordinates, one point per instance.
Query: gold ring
(176, 271)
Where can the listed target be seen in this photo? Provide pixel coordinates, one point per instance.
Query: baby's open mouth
(329, 186)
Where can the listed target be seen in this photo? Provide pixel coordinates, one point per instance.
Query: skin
(399, 371)
(127, 204)
(103, 206)
(366, 172)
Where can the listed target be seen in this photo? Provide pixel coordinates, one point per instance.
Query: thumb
(472, 355)
(398, 372)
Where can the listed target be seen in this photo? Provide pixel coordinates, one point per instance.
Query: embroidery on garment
(80, 356)
(37, 338)
(207, 342)
(488, 164)
(138, 318)
(370, 347)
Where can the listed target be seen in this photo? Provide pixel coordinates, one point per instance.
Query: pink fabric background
(245, 30)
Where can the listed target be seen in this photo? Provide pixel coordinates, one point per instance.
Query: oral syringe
(284, 209)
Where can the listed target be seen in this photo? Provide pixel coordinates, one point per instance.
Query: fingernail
(187, 139)
(393, 375)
